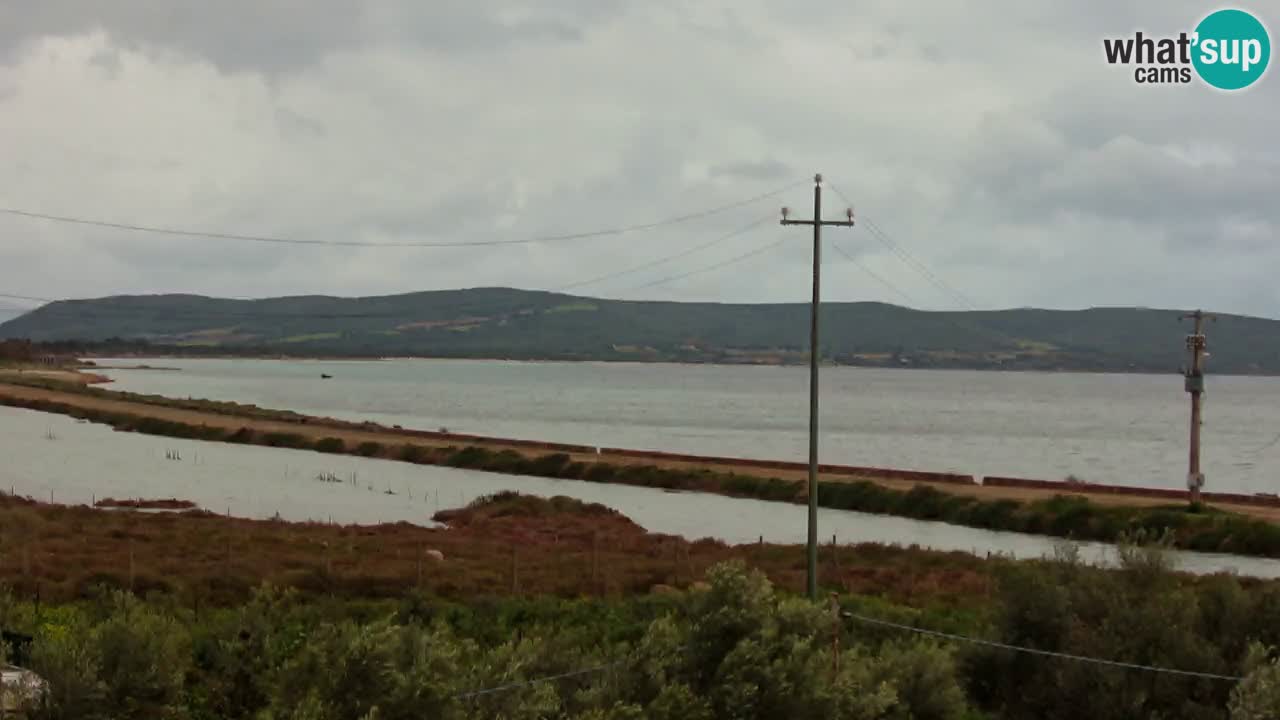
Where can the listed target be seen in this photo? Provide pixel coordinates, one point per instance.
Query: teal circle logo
(1231, 49)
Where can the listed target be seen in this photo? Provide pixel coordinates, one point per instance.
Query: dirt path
(352, 435)
(71, 376)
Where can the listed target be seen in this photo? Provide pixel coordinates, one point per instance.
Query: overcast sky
(996, 146)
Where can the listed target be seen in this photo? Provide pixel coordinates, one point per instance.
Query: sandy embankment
(72, 376)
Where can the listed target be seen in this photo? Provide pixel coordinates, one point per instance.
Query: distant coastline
(506, 324)
(285, 357)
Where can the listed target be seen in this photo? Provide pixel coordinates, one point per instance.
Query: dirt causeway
(352, 434)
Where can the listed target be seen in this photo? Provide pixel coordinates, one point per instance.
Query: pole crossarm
(824, 223)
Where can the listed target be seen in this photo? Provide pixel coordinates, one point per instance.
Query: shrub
(413, 453)
(285, 440)
(552, 465)
(600, 472)
(369, 448)
(470, 457)
(244, 435)
(330, 445)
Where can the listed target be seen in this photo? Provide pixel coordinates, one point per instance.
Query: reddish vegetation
(63, 552)
(526, 519)
(1163, 493)
(142, 504)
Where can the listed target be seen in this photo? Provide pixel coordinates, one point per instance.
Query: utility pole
(817, 222)
(1195, 385)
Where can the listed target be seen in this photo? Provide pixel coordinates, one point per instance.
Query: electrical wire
(906, 256)
(710, 268)
(873, 275)
(27, 298)
(669, 258)
(916, 264)
(163, 313)
(153, 313)
(177, 232)
(1043, 653)
(896, 626)
(536, 681)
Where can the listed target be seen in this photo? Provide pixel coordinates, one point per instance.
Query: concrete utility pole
(817, 222)
(1195, 385)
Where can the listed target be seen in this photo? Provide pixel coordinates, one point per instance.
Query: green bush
(552, 465)
(413, 453)
(284, 440)
(369, 448)
(244, 436)
(330, 445)
(600, 472)
(470, 457)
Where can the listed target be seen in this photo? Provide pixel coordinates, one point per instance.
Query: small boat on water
(325, 377)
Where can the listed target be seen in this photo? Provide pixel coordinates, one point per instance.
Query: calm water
(1122, 429)
(55, 457)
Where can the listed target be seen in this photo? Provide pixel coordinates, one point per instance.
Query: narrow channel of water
(55, 457)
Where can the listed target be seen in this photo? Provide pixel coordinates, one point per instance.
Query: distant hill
(9, 312)
(518, 324)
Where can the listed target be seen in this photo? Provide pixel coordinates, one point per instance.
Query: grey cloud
(262, 35)
(280, 35)
(771, 170)
(994, 143)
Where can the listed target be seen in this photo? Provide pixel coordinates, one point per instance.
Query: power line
(352, 243)
(669, 258)
(908, 258)
(710, 268)
(917, 265)
(873, 275)
(1034, 651)
(536, 681)
(159, 312)
(28, 298)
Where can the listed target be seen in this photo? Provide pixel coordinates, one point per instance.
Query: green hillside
(507, 323)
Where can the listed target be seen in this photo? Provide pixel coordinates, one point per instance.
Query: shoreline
(634, 361)
(1246, 526)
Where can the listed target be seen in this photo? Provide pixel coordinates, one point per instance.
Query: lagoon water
(1106, 428)
(54, 457)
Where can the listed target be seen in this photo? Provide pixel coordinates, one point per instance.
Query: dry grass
(147, 504)
(61, 553)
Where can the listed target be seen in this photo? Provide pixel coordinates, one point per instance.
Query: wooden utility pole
(1195, 385)
(817, 222)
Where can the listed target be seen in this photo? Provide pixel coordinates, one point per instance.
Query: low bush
(330, 445)
(413, 453)
(284, 440)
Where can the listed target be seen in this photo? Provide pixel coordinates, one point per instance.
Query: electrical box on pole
(1194, 384)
